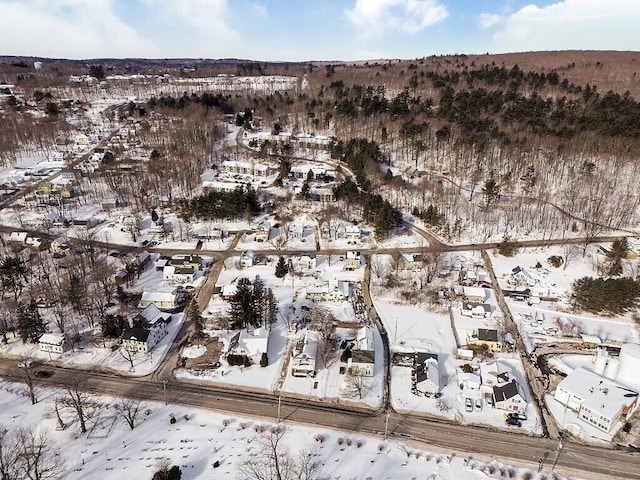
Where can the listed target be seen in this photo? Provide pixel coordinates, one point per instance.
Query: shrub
(264, 360)
(555, 261)
(508, 248)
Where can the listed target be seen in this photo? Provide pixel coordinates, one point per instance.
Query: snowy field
(111, 451)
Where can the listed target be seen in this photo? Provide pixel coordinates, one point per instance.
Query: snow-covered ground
(110, 450)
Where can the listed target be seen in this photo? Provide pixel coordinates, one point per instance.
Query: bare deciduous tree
(129, 410)
(79, 402)
(36, 459)
(24, 368)
(272, 462)
(356, 384)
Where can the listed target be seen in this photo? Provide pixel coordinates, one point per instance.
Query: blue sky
(299, 30)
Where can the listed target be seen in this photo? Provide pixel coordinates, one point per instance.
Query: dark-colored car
(43, 373)
(513, 422)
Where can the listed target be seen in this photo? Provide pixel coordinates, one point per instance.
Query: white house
(18, 237)
(142, 340)
(362, 362)
(597, 400)
(474, 294)
(163, 299)
(251, 344)
(152, 315)
(263, 232)
(306, 262)
(427, 373)
(469, 381)
(60, 246)
(352, 261)
(476, 309)
(247, 259)
(509, 397)
(179, 273)
(494, 373)
(303, 356)
(51, 343)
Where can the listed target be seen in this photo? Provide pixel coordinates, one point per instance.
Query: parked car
(517, 416)
(513, 421)
(478, 404)
(468, 404)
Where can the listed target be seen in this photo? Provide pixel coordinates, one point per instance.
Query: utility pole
(164, 387)
(279, 402)
(386, 425)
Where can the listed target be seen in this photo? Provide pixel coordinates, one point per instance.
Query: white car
(468, 404)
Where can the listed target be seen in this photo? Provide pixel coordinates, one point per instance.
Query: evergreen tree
(193, 315)
(243, 312)
(281, 268)
(112, 326)
(31, 326)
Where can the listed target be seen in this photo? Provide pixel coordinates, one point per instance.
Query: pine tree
(243, 312)
(31, 326)
(281, 268)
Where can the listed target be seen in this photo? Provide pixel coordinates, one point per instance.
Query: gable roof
(504, 392)
(488, 335)
(152, 314)
(426, 367)
(134, 333)
(363, 356)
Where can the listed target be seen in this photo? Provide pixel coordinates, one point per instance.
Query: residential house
(474, 294)
(303, 356)
(18, 237)
(263, 232)
(348, 231)
(306, 263)
(597, 400)
(322, 194)
(140, 340)
(362, 362)
(296, 230)
(151, 315)
(353, 261)
(409, 262)
(179, 274)
(427, 373)
(509, 397)
(362, 359)
(469, 381)
(485, 337)
(476, 309)
(247, 259)
(60, 246)
(251, 344)
(164, 299)
(494, 373)
(186, 260)
(51, 343)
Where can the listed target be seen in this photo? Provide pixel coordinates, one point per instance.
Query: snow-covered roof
(152, 314)
(155, 296)
(477, 292)
(51, 339)
(598, 394)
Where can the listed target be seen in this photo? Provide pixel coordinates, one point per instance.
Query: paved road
(587, 462)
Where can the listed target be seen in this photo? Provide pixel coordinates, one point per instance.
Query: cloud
(375, 17)
(68, 28)
(571, 25)
(208, 17)
(260, 10)
(489, 20)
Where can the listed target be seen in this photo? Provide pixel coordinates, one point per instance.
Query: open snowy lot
(199, 438)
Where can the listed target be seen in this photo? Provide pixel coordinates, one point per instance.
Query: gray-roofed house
(427, 373)
(509, 397)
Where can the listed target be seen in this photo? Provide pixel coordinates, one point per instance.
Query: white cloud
(260, 10)
(68, 28)
(208, 17)
(571, 25)
(489, 20)
(375, 17)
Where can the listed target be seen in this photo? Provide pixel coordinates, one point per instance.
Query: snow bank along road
(574, 459)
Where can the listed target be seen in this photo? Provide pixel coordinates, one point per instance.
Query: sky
(301, 30)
